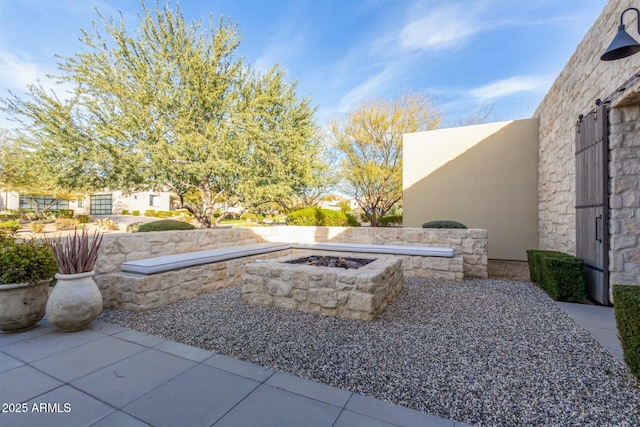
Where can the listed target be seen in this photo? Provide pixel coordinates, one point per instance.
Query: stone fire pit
(361, 293)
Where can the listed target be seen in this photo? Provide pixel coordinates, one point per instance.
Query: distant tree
(23, 170)
(477, 116)
(369, 140)
(169, 106)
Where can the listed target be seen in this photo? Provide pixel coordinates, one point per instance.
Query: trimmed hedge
(627, 312)
(165, 225)
(321, 217)
(534, 257)
(135, 213)
(443, 224)
(563, 278)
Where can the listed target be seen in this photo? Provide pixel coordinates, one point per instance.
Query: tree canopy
(369, 140)
(171, 106)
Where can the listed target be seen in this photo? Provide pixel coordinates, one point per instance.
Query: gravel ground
(484, 352)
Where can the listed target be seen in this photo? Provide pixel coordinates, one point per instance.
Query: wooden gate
(592, 200)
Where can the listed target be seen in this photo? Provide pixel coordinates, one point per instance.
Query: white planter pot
(75, 301)
(22, 305)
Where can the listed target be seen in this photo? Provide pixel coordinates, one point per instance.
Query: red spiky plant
(76, 253)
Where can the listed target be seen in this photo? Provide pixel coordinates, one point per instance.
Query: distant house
(99, 203)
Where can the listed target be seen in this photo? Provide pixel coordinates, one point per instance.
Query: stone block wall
(361, 293)
(624, 199)
(139, 293)
(470, 244)
(583, 80)
(470, 260)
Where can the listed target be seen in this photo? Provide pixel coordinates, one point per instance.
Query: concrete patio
(108, 375)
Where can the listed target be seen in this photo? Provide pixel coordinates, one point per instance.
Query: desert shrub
(37, 227)
(125, 211)
(390, 221)
(626, 307)
(135, 212)
(66, 224)
(319, 217)
(83, 218)
(563, 278)
(183, 213)
(534, 257)
(133, 227)
(10, 226)
(107, 224)
(59, 213)
(149, 212)
(165, 225)
(26, 262)
(443, 224)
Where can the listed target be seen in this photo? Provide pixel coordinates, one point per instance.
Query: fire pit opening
(332, 261)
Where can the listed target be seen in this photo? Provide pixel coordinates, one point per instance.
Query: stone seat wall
(127, 291)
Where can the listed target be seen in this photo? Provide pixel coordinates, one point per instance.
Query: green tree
(369, 140)
(23, 170)
(169, 106)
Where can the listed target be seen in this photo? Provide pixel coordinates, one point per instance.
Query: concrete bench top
(189, 259)
(378, 249)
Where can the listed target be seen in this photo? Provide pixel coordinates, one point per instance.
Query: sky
(498, 56)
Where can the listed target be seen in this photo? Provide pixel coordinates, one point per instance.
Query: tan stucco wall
(484, 176)
(583, 80)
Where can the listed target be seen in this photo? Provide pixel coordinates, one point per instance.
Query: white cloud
(18, 71)
(442, 28)
(373, 85)
(511, 86)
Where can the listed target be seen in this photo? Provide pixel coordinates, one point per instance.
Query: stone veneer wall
(361, 293)
(624, 200)
(583, 80)
(470, 244)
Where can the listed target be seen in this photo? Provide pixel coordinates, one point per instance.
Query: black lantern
(623, 44)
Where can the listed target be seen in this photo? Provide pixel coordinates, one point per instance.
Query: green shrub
(10, 226)
(443, 224)
(27, 262)
(163, 214)
(135, 213)
(320, 217)
(133, 227)
(165, 225)
(83, 218)
(534, 257)
(390, 221)
(149, 212)
(8, 215)
(352, 221)
(626, 307)
(563, 278)
(125, 211)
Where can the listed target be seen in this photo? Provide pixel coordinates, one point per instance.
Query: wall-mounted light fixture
(623, 44)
